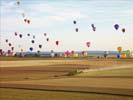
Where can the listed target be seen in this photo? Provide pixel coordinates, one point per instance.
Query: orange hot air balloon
(119, 49)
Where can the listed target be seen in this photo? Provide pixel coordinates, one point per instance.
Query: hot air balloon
(20, 35)
(33, 36)
(45, 34)
(123, 30)
(57, 43)
(92, 25)
(116, 26)
(119, 49)
(32, 41)
(15, 33)
(23, 15)
(10, 44)
(28, 21)
(88, 44)
(25, 20)
(76, 29)
(12, 48)
(18, 2)
(28, 34)
(40, 46)
(94, 28)
(47, 39)
(31, 49)
(74, 22)
(6, 40)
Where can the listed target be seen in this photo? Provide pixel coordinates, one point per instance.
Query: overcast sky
(55, 17)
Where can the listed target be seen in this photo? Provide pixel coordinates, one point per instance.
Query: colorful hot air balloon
(123, 30)
(74, 22)
(76, 29)
(57, 43)
(88, 44)
(116, 26)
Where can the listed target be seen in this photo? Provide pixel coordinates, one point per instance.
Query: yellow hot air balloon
(119, 49)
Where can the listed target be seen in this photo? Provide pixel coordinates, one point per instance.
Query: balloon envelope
(15, 33)
(32, 41)
(31, 49)
(76, 29)
(88, 44)
(119, 49)
(45, 34)
(74, 22)
(123, 30)
(116, 26)
(20, 35)
(40, 46)
(57, 42)
(6, 40)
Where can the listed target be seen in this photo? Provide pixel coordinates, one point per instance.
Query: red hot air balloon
(57, 43)
(88, 44)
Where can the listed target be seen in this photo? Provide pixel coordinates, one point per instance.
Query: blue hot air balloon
(31, 49)
(116, 26)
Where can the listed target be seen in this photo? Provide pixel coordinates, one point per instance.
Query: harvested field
(53, 75)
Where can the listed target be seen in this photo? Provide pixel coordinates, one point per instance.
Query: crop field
(60, 79)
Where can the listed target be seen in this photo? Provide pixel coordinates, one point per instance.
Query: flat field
(59, 79)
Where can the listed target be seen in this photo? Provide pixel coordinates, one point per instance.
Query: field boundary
(92, 90)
